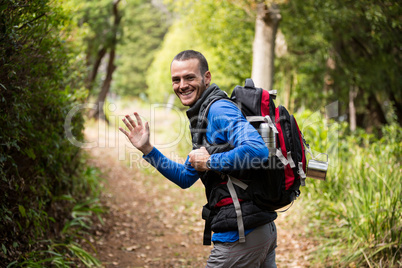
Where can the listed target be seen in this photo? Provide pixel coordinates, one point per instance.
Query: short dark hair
(192, 54)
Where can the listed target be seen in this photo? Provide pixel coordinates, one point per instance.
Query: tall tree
(119, 33)
(95, 17)
(266, 27)
(111, 67)
(101, 19)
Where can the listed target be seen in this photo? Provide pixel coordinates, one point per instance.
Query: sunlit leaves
(222, 30)
(143, 29)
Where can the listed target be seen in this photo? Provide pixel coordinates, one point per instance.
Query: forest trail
(150, 221)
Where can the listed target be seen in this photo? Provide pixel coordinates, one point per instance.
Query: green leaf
(30, 153)
(4, 248)
(11, 264)
(22, 211)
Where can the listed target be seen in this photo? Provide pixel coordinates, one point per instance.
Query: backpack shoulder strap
(203, 122)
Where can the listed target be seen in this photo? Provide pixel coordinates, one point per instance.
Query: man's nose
(183, 84)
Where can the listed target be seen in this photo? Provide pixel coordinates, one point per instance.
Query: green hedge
(42, 173)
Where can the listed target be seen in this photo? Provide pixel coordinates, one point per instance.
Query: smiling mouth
(187, 93)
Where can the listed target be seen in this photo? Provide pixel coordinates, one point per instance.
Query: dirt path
(151, 222)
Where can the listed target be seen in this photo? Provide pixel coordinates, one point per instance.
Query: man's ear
(207, 78)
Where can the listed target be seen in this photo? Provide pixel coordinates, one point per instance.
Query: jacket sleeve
(184, 175)
(226, 124)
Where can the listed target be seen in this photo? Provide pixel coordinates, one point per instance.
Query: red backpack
(286, 170)
(274, 184)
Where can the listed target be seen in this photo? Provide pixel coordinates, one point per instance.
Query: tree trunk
(99, 112)
(352, 108)
(376, 116)
(330, 66)
(266, 26)
(94, 71)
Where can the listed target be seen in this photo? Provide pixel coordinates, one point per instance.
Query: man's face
(188, 82)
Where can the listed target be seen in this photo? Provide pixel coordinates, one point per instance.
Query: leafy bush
(38, 166)
(356, 213)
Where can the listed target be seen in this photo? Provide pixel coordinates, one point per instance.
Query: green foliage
(355, 214)
(40, 84)
(63, 250)
(140, 33)
(333, 47)
(158, 75)
(338, 45)
(143, 28)
(228, 31)
(222, 31)
(95, 18)
(95, 28)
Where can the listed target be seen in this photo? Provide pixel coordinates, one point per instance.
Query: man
(229, 145)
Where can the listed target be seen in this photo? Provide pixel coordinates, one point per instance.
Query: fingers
(147, 127)
(132, 123)
(191, 159)
(128, 124)
(137, 116)
(198, 159)
(124, 131)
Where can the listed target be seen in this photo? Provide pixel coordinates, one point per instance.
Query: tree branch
(299, 52)
(29, 22)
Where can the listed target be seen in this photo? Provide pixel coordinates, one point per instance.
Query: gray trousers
(258, 250)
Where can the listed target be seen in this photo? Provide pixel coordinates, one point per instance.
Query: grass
(58, 255)
(356, 214)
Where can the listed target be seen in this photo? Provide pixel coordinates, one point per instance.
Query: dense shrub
(39, 167)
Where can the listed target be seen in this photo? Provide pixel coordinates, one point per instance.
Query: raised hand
(138, 133)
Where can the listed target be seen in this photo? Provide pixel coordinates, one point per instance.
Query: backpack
(277, 182)
(286, 168)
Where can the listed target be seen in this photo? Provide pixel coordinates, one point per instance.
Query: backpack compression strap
(301, 174)
(232, 191)
(236, 203)
(206, 213)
